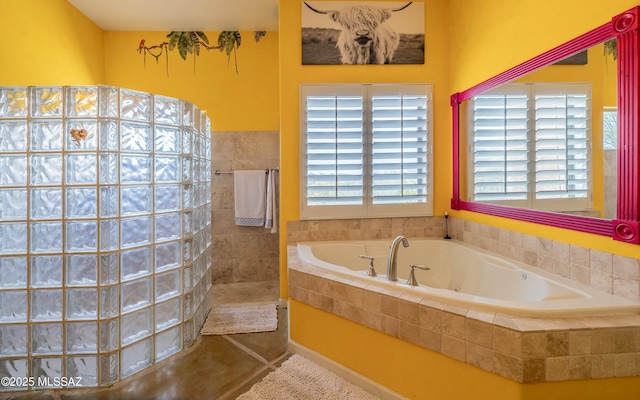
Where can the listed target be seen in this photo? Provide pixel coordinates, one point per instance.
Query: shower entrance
(105, 231)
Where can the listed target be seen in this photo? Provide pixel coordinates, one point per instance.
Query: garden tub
(464, 275)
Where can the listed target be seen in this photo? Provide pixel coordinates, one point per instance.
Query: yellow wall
(418, 373)
(467, 42)
(48, 42)
(247, 101)
(409, 370)
(488, 37)
(495, 35)
(292, 74)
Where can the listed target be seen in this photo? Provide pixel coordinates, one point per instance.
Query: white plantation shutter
(531, 144)
(399, 147)
(365, 151)
(500, 145)
(335, 150)
(562, 145)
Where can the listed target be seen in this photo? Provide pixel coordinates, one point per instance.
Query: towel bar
(218, 172)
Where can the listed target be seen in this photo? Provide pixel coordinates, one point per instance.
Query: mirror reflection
(547, 140)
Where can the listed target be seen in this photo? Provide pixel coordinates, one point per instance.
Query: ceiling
(181, 15)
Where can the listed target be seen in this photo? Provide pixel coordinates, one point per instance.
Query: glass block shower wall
(105, 230)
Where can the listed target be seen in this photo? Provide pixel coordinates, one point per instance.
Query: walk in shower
(105, 231)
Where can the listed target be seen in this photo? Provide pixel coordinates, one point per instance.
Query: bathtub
(465, 276)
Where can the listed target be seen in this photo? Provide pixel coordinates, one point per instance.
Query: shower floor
(215, 367)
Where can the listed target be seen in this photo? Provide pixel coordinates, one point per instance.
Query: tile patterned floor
(215, 367)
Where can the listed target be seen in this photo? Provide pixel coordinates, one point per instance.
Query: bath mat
(300, 379)
(226, 319)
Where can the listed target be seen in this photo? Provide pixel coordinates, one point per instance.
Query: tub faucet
(392, 261)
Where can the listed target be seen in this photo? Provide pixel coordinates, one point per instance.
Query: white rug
(226, 319)
(301, 379)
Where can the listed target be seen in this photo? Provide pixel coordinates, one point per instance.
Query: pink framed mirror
(623, 223)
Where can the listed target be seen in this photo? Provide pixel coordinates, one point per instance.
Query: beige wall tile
(481, 315)
(603, 341)
(579, 255)
(579, 367)
(390, 326)
(534, 345)
(626, 288)
(372, 319)
(580, 274)
(507, 341)
(390, 306)
(453, 325)
(626, 364)
(562, 268)
(602, 281)
(349, 294)
(626, 267)
(601, 261)
(298, 293)
(480, 333)
(479, 356)
(319, 285)
(319, 301)
(626, 340)
(259, 258)
(409, 332)
(409, 312)
(603, 366)
(372, 301)
(431, 339)
(348, 311)
(431, 319)
(561, 251)
(557, 369)
(557, 345)
(508, 366)
(534, 370)
(454, 347)
(579, 342)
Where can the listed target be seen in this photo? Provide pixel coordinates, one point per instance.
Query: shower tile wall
(104, 231)
(241, 253)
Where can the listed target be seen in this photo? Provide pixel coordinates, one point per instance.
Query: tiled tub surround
(241, 253)
(522, 349)
(610, 273)
(464, 275)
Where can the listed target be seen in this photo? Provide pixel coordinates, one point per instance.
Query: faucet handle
(372, 270)
(412, 281)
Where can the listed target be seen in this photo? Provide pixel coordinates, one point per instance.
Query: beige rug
(226, 319)
(301, 379)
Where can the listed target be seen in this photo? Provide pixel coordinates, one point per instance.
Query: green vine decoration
(190, 42)
(611, 48)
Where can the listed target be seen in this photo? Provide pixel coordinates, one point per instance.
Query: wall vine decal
(190, 42)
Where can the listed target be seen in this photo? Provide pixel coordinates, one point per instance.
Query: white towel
(271, 218)
(249, 193)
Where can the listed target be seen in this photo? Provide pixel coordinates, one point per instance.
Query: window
(610, 129)
(366, 151)
(530, 146)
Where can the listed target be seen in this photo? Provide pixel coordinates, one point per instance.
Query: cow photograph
(362, 32)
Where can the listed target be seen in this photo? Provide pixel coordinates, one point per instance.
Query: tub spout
(392, 261)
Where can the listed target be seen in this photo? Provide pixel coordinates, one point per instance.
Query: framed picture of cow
(362, 32)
